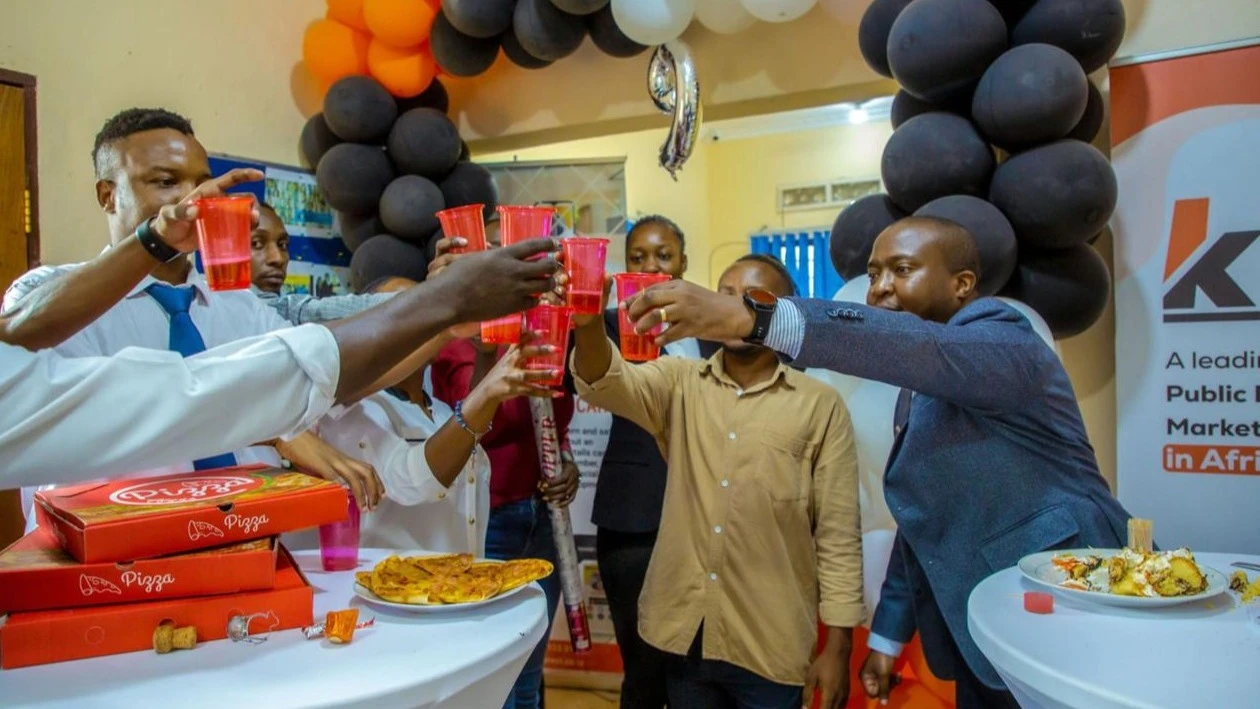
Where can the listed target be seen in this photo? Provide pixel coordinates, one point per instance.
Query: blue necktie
(186, 340)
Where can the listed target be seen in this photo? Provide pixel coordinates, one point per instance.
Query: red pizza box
(41, 637)
(37, 574)
(124, 520)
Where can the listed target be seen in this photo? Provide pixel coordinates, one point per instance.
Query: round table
(450, 659)
(1200, 654)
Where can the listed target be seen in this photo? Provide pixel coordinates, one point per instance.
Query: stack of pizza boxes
(113, 562)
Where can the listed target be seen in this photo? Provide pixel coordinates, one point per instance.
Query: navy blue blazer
(631, 486)
(994, 462)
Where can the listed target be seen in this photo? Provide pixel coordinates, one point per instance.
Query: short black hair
(132, 121)
(663, 222)
(961, 250)
(775, 264)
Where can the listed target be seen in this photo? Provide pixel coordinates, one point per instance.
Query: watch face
(761, 297)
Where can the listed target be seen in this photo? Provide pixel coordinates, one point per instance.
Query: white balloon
(854, 290)
(1039, 325)
(724, 16)
(778, 10)
(847, 11)
(652, 22)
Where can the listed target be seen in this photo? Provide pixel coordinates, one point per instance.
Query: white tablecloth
(1204, 654)
(463, 659)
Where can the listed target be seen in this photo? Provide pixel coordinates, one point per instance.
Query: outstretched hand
(174, 222)
(689, 311)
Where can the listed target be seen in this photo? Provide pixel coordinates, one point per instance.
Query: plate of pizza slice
(420, 582)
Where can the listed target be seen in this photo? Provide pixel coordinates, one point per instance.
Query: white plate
(1040, 569)
(366, 593)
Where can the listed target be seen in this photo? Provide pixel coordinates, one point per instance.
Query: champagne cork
(184, 638)
(164, 638)
(1141, 535)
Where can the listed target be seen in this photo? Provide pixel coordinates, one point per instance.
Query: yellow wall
(225, 64)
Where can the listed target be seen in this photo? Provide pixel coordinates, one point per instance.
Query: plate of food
(426, 583)
(1124, 577)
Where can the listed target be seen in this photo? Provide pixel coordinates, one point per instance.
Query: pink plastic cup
(636, 347)
(584, 260)
(339, 542)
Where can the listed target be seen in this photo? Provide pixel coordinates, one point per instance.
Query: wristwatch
(762, 304)
(153, 243)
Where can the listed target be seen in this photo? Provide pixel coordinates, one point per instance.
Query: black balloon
(1034, 93)
(457, 53)
(470, 183)
(906, 106)
(580, 7)
(359, 109)
(1068, 288)
(935, 155)
(358, 228)
(1057, 195)
(995, 238)
(424, 142)
(873, 31)
(1090, 30)
(1087, 128)
(409, 207)
(385, 256)
(352, 177)
(518, 55)
(939, 47)
(608, 36)
(433, 97)
(479, 18)
(855, 230)
(316, 139)
(465, 153)
(545, 31)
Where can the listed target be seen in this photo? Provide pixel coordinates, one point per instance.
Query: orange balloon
(332, 50)
(403, 72)
(348, 12)
(399, 23)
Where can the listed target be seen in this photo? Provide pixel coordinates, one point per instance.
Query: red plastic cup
(467, 223)
(502, 331)
(636, 347)
(223, 229)
(518, 223)
(584, 260)
(339, 542)
(552, 324)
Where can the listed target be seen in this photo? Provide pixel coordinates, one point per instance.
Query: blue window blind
(807, 255)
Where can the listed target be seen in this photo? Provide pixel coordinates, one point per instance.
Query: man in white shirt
(74, 419)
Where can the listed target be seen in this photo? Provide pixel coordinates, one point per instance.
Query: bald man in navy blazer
(990, 459)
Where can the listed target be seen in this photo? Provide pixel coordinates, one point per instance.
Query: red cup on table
(467, 223)
(584, 260)
(551, 323)
(516, 224)
(339, 541)
(636, 347)
(224, 225)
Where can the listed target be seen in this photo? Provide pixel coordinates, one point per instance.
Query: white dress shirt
(418, 513)
(66, 420)
(222, 317)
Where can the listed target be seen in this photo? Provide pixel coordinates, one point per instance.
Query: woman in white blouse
(437, 495)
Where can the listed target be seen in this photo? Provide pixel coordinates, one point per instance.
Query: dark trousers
(696, 683)
(971, 693)
(623, 561)
(522, 530)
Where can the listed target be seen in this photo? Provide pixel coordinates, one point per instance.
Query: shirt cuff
(615, 365)
(787, 329)
(879, 643)
(315, 350)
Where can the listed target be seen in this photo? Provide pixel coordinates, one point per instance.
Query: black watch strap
(763, 312)
(153, 243)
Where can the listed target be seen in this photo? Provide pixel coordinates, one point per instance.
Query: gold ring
(664, 315)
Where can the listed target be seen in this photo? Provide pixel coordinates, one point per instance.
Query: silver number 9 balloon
(674, 88)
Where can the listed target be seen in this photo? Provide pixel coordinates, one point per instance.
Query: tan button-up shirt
(760, 530)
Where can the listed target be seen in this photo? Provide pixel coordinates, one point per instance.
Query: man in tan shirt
(760, 531)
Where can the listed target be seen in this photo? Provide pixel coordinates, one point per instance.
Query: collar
(715, 367)
(195, 279)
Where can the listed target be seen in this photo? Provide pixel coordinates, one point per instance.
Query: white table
(462, 659)
(1203, 654)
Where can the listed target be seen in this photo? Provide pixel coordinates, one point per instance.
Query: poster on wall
(589, 197)
(319, 261)
(1186, 150)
